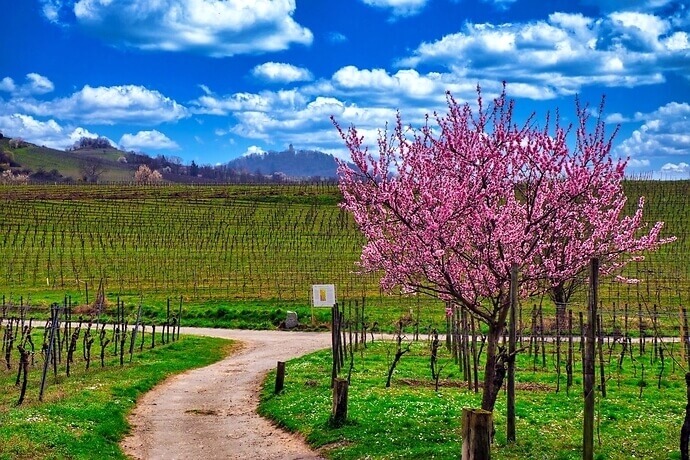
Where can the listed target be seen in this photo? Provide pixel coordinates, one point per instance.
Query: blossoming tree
(448, 209)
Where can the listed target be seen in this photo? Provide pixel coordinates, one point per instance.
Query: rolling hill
(109, 164)
(44, 164)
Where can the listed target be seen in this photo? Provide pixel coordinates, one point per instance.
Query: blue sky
(210, 80)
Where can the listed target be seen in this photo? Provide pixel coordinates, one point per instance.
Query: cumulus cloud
(406, 87)
(560, 55)
(399, 7)
(217, 28)
(367, 98)
(147, 140)
(35, 84)
(664, 133)
(49, 133)
(280, 72)
(211, 104)
(8, 85)
(616, 118)
(107, 105)
(680, 169)
(254, 150)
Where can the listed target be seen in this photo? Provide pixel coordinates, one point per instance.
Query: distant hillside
(293, 163)
(95, 160)
(44, 164)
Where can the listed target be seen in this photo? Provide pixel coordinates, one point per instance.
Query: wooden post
(682, 334)
(685, 328)
(569, 365)
(280, 377)
(339, 409)
(590, 343)
(335, 338)
(476, 434)
(510, 425)
(685, 429)
(54, 311)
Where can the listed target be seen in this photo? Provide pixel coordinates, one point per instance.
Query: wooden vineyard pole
(682, 334)
(476, 439)
(510, 422)
(685, 429)
(339, 409)
(54, 311)
(588, 368)
(280, 377)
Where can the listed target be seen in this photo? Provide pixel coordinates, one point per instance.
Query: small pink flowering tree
(447, 210)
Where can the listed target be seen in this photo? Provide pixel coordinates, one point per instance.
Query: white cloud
(638, 29)
(49, 133)
(147, 140)
(211, 104)
(35, 84)
(635, 163)
(281, 72)
(38, 84)
(217, 28)
(679, 41)
(616, 118)
(79, 132)
(107, 105)
(399, 7)
(680, 169)
(30, 129)
(560, 55)
(7, 84)
(379, 87)
(254, 150)
(664, 133)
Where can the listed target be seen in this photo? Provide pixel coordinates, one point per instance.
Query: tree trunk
(494, 370)
(559, 298)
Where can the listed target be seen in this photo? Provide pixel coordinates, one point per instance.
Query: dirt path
(210, 413)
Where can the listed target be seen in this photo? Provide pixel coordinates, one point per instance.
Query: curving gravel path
(210, 413)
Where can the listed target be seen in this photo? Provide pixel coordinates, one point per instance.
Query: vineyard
(76, 257)
(266, 243)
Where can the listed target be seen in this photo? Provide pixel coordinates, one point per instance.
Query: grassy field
(640, 417)
(227, 250)
(86, 412)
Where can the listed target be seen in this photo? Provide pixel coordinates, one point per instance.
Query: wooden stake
(477, 425)
(589, 348)
(280, 377)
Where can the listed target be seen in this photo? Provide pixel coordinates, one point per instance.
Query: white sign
(323, 295)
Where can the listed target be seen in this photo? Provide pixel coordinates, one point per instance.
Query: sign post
(322, 295)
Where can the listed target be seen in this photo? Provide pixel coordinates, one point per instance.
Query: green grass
(411, 420)
(86, 413)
